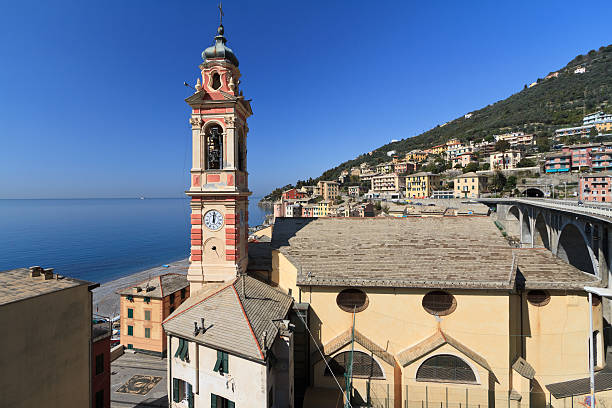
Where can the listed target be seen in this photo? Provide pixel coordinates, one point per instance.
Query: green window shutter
(130, 330)
(185, 353)
(225, 365)
(213, 401)
(230, 404)
(189, 396)
(175, 390)
(179, 350)
(219, 361)
(147, 315)
(147, 333)
(130, 313)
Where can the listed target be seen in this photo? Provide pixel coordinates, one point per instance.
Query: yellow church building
(437, 312)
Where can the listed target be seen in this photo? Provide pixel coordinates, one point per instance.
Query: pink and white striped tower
(219, 180)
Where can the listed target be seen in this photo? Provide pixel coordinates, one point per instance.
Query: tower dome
(219, 49)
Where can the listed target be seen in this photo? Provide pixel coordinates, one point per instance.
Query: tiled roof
(417, 252)
(449, 252)
(542, 270)
(345, 338)
(17, 284)
(603, 382)
(523, 368)
(251, 313)
(433, 342)
(159, 286)
(260, 256)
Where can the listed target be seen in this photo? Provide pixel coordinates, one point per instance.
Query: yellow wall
(45, 348)
(553, 338)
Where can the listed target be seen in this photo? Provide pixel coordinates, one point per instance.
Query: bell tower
(219, 180)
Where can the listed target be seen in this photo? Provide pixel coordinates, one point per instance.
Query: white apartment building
(504, 161)
(240, 357)
(516, 138)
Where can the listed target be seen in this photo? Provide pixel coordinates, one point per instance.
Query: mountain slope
(553, 103)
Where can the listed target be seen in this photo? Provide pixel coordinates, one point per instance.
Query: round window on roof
(538, 297)
(351, 300)
(439, 303)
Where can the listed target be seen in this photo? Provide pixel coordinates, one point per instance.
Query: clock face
(213, 220)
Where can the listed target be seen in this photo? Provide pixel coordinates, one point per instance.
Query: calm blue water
(97, 239)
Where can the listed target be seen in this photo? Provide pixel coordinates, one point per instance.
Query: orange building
(145, 306)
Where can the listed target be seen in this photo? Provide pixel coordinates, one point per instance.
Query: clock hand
(213, 216)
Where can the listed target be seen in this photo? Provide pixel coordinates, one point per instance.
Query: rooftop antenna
(189, 86)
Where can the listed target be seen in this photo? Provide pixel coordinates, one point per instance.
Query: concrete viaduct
(579, 234)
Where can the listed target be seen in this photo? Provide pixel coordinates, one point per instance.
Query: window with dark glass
(99, 363)
(351, 300)
(217, 401)
(214, 147)
(130, 313)
(439, 303)
(130, 330)
(183, 293)
(364, 365)
(538, 297)
(172, 298)
(100, 399)
(445, 368)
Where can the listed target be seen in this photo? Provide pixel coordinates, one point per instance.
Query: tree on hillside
(593, 132)
(485, 166)
(543, 144)
(499, 181)
(526, 163)
(502, 145)
(473, 166)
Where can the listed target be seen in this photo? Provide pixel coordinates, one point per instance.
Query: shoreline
(105, 300)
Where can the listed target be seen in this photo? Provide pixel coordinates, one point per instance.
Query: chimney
(48, 273)
(35, 271)
(136, 289)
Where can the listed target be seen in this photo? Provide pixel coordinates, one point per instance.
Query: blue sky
(92, 101)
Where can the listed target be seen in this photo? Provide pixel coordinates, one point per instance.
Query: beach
(105, 298)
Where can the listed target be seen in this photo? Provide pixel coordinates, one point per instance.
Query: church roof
(219, 50)
(249, 324)
(416, 252)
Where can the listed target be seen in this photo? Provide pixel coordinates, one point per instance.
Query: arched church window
(216, 81)
(364, 365)
(214, 147)
(445, 368)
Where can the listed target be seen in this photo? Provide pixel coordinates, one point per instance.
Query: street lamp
(603, 292)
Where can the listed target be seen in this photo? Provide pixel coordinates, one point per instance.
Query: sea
(98, 240)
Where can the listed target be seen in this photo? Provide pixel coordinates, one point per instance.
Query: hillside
(551, 104)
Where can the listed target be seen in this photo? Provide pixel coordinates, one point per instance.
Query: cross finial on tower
(220, 13)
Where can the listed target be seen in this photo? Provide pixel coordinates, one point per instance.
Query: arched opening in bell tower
(214, 147)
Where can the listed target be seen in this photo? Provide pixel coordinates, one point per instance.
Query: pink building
(404, 167)
(601, 158)
(581, 156)
(596, 187)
